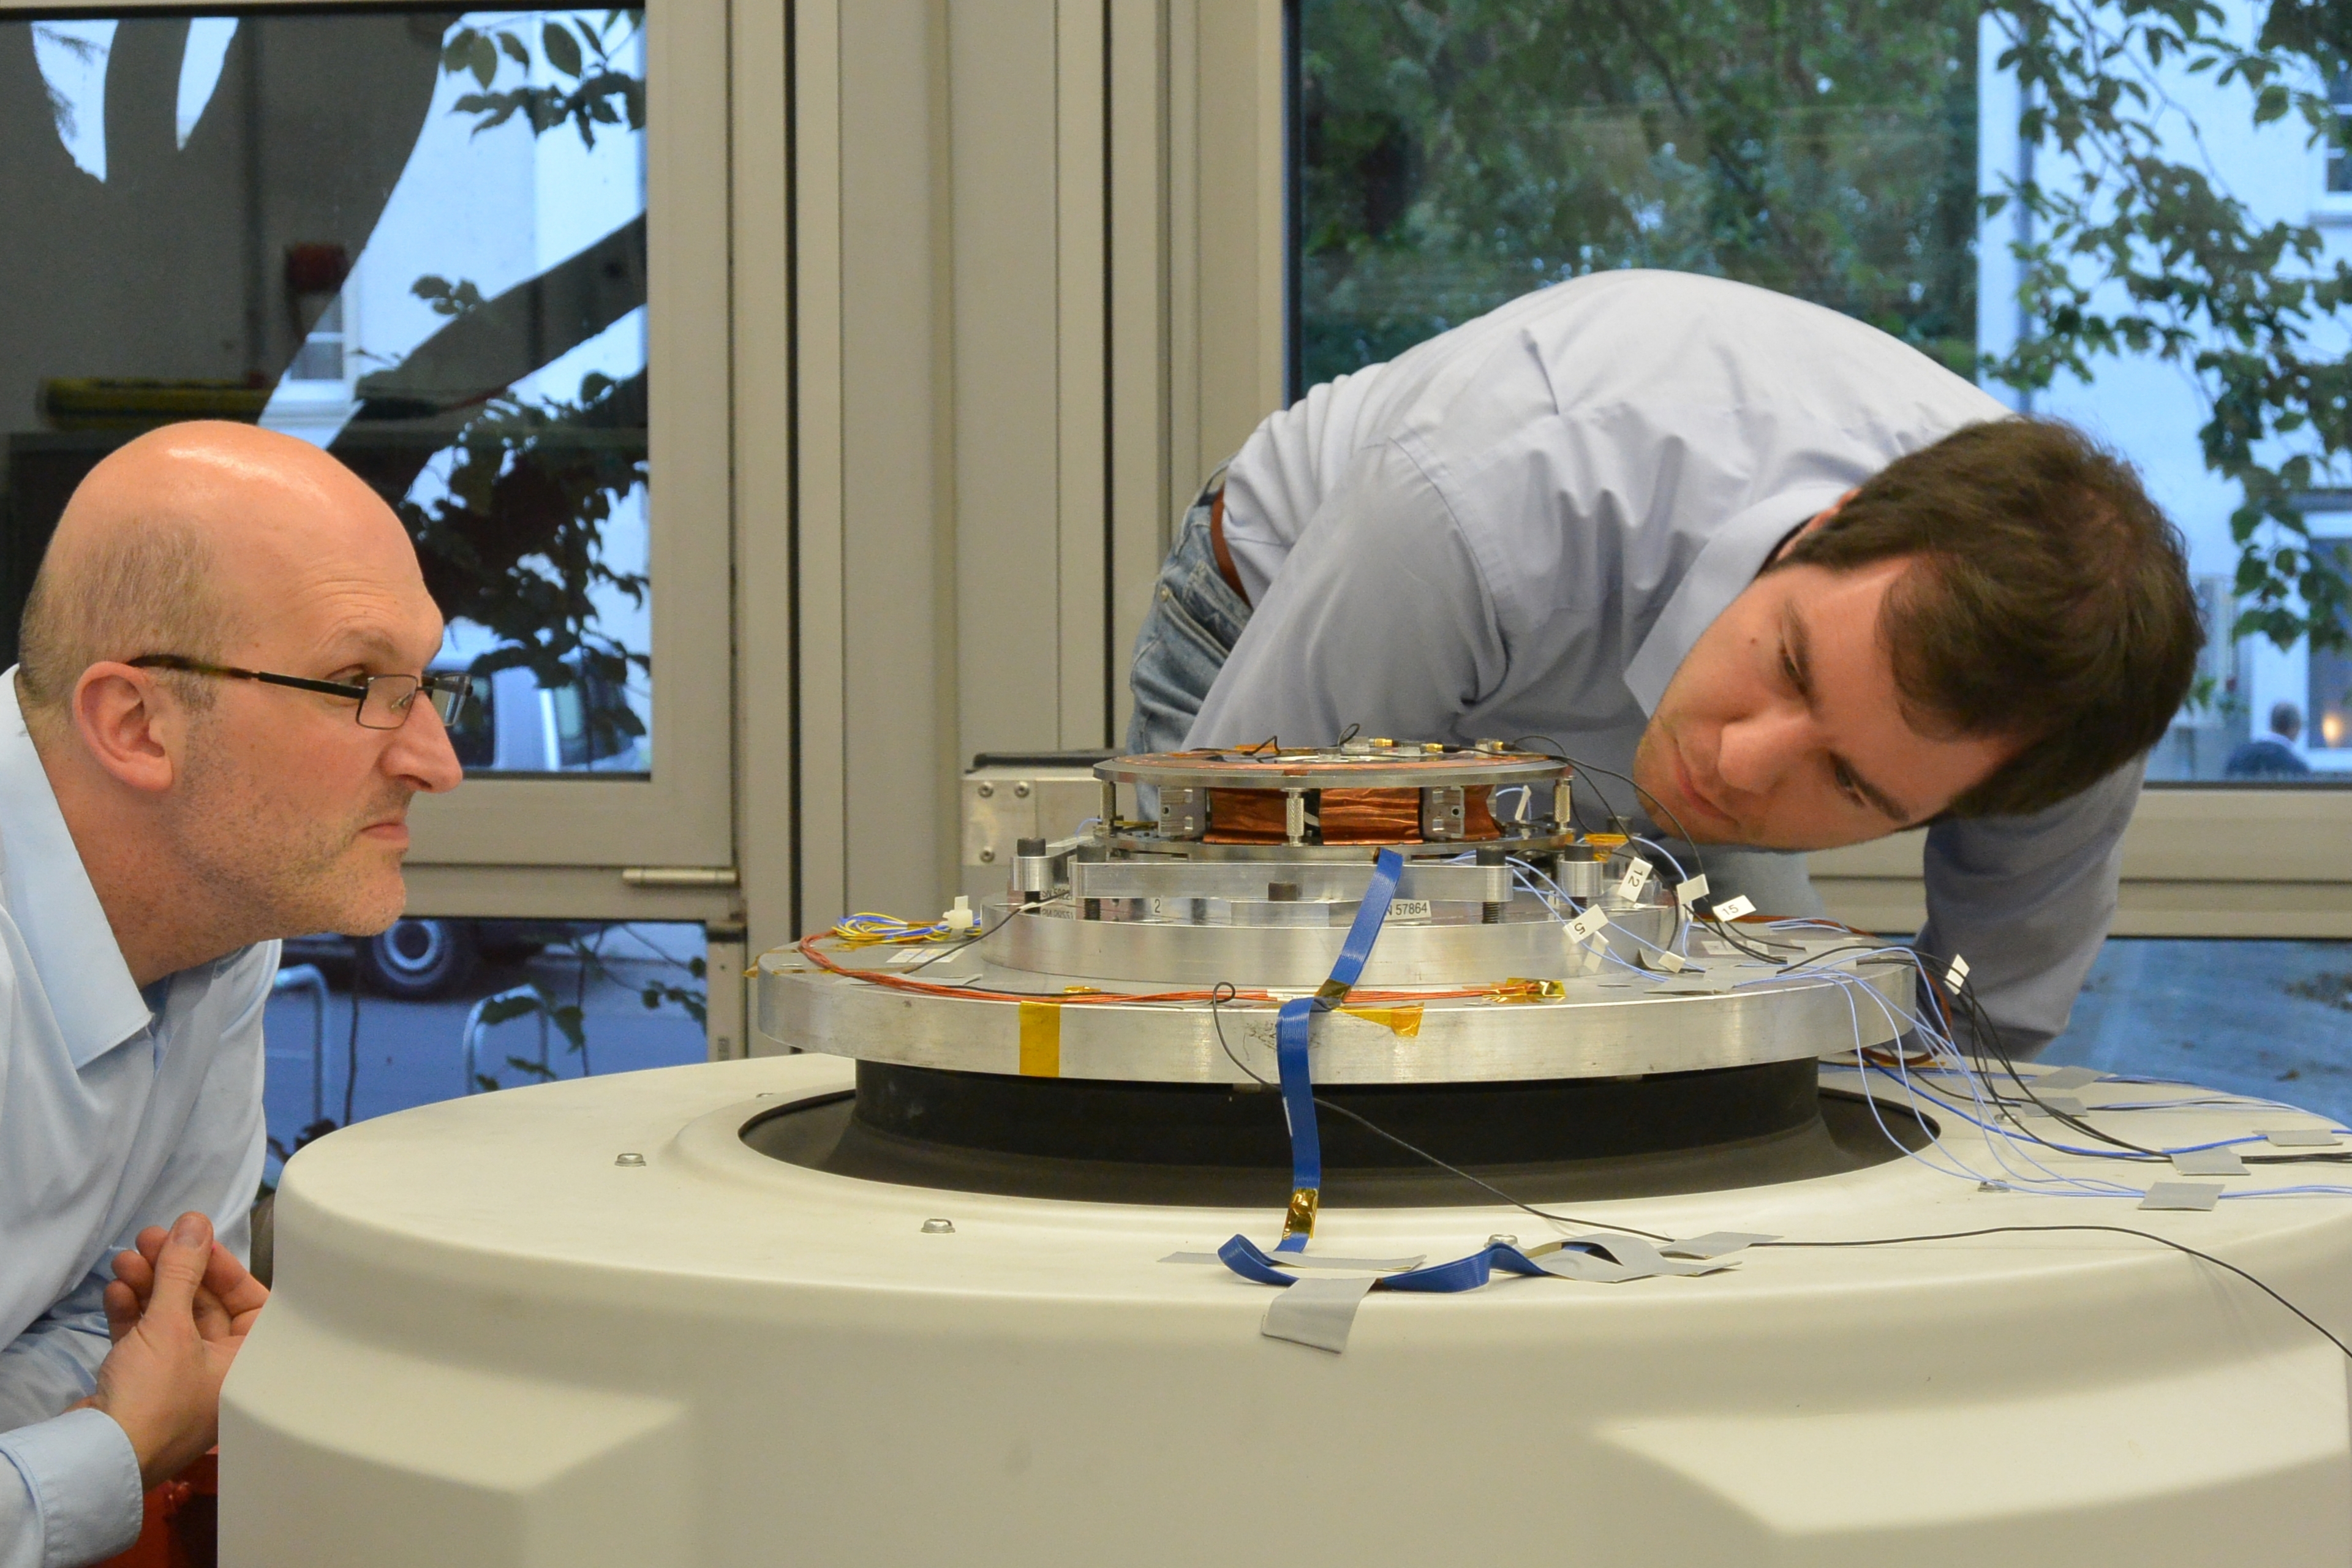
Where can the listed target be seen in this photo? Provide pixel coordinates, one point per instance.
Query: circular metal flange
(1395, 767)
(1602, 1024)
(1168, 954)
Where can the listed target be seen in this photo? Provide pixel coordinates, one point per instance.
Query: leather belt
(1225, 567)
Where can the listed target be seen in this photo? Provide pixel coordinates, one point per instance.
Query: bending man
(1805, 586)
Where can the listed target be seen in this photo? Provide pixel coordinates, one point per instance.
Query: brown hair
(2050, 602)
(146, 589)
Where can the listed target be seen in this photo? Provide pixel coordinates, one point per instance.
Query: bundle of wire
(1967, 1085)
(868, 929)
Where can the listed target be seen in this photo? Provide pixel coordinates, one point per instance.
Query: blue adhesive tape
(1292, 1031)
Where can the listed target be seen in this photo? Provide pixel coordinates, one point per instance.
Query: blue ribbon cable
(1290, 1039)
(1249, 1260)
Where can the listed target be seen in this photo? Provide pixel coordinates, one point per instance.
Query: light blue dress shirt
(118, 1110)
(1522, 526)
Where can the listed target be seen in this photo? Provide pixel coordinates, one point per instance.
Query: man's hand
(161, 1381)
(225, 1302)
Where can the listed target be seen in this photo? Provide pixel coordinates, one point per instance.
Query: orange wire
(1083, 998)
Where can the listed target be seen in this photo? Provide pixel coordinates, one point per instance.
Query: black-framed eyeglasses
(384, 699)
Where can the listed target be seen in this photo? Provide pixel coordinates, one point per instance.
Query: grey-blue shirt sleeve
(69, 1492)
(2027, 901)
(1381, 618)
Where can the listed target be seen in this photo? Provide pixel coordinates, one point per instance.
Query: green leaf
(483, 57)
(502, 1009)
(2272, 104)
(514, 49)
(562, 51)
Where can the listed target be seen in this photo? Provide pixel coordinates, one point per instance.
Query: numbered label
(1636, 877)
(1690, 893)
(1732, 909)
(1584, 927)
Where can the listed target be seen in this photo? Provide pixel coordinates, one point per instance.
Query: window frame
(682, 816)
(2328, 207)
(2196, 860)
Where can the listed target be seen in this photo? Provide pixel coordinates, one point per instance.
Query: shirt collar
(1726, 564)
(64, 930)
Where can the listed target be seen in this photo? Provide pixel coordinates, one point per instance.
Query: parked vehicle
(514, 725)
(419, 959)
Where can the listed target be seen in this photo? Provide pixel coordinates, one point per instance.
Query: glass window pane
(364, 1026)
(413, 237)
(1458, 155)
(2272, 1019)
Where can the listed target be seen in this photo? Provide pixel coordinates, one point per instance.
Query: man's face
(1783, 728)
(290, 809)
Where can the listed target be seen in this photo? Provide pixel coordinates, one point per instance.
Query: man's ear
(129, 725)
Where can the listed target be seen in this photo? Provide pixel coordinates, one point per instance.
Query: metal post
(305, 977)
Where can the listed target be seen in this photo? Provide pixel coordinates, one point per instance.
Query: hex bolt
(938, 1227)
(1502, 1238)
(987, 791)
(628, 1158)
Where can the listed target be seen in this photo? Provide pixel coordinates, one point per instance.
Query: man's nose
(421, 753)
(1759, 753)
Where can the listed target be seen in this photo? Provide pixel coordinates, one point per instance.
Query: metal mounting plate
(1604, 1024)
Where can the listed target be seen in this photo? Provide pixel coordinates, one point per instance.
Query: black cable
(1988, 1034)
(351, 1052)
(1414, 1149)
(2117, 1229)
(1698, 856)
(1002, 920)
(1985, 1035)
(1217, 1019)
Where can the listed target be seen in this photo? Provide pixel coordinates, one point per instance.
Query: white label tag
(1732, 909)
(1672, 962)
(1409, 909)
(1956, 974)
(1690, 893)
(1636, 877)
(1584, 925)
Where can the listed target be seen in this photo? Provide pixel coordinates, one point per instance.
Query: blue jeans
(1190, 631)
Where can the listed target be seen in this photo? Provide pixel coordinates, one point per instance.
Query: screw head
(1021, 791)
(986, 791)
(987, 857)
(938, 1227)
(1502, 1238)
(628, 1158)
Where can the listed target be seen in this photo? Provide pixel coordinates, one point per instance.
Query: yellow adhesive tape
(1041, 1039)
(1405, 1022)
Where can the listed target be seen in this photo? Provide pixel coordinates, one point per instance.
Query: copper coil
(1346, 816)
(1371, 816)
(1246, 817)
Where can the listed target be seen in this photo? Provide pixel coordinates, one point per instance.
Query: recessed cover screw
(628, 1158)
(938, 1227)
(1502, 1238)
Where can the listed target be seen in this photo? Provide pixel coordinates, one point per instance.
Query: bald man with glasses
(211, 742)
